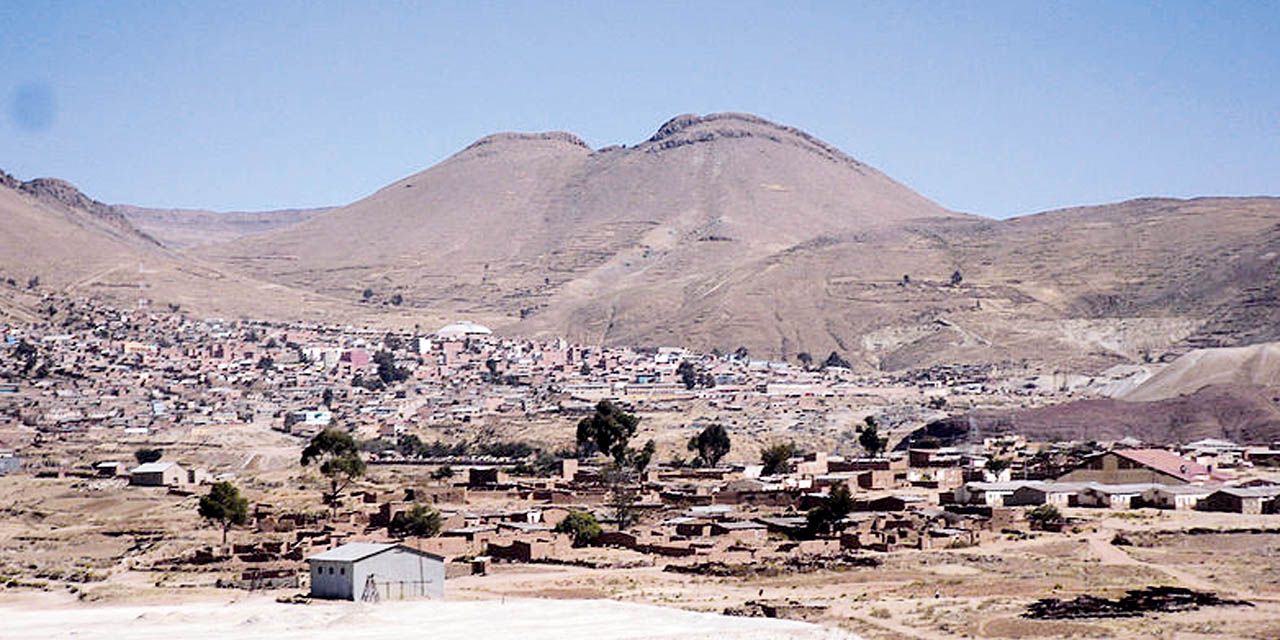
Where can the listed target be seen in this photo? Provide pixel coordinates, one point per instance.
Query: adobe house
(357, 570)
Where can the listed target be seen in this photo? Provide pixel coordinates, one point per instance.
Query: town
(267, 456)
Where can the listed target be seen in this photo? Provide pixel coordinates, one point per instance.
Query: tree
(419, 520)
(145, 455)
(777, 458)
(224, 505)
(266, 363)
(33, 282)
(997, 465)
(827, 516)
(1045, 514)
(443, 473)
(638, 459)
(836, 360)
(368, 293)
(397, 299)
(688, 374)
(623, 494)
(956, 278)
(870, 439)
(392, 341)
(327, 397)
(339, 461)
(608, 430)
(712, 444)
(409, 446)
(741, 353)
(805, 359)
(582, 526)
(388, 371)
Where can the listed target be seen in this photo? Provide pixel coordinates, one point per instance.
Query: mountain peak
(66, 194)
(688, 129)
(517, 137)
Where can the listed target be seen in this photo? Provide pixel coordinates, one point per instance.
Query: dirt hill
(1232, 412)
(1254, 365)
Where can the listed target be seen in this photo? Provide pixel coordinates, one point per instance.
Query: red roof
(1166, 462)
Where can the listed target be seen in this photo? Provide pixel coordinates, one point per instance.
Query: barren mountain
(717, 232)
(181, 228)
(728, 230)
(55, 237)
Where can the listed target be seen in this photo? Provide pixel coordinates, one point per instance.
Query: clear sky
(986, 107)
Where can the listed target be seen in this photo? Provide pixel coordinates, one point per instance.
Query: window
(343, 571)
(330, 570)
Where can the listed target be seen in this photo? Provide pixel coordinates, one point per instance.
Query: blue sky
(987, 107)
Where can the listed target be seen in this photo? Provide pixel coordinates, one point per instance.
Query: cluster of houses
(1129, 479)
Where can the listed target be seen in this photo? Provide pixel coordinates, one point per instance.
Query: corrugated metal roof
(153, 467)
(351, 552)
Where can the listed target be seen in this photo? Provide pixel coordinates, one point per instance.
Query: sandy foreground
(527, 619)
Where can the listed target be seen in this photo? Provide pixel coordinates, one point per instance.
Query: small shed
(369, 570)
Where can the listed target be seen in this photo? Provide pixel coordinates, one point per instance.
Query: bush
(582, 526)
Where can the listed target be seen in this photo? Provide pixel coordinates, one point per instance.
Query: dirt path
(1108, 553)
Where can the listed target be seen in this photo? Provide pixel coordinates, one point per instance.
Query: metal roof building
(375, 571)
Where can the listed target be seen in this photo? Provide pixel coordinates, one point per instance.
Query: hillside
(728, 230)
(604, 246)
(719, 231)
(57, 238)
(181, 228)
(1255, 365)
(1230, 412)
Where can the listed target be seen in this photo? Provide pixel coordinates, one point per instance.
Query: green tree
(339, 459)
(582, 526)
(419, 520)
(688, 374)
(224, 505)
(711, 444)
(639, 460)
(997, 465)
(828, 516)
(368, 293)
(410, 446)
(956, 278)
(145, 455)
(777, 458)
(1045, 514)
(608, 431)
(443, 473)
(870, 439)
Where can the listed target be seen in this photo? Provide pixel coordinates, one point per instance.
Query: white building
(392, 571)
